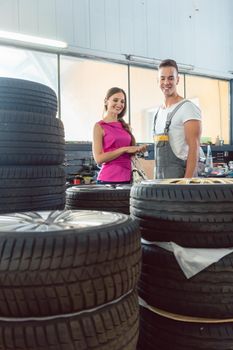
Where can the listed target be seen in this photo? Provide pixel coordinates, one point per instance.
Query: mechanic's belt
(161, 138)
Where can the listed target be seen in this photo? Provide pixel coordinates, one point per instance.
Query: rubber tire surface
(114, 326)
(30, 139)
(99, 197)
(28, 122)
(161, 333)
(192, 215)
(31, 187)
(163, 285)
(27, 96)
(54, 263)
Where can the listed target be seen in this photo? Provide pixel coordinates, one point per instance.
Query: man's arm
(192, 131)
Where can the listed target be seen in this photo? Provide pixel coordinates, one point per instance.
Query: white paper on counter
(192, 260)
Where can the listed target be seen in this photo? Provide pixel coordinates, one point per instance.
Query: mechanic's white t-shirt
(188, 111)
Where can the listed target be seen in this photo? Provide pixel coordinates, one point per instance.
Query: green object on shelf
(206, 140)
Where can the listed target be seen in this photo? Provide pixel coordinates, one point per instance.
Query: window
(145, 98)
(84, 84)
(30, 65)
(212, 96)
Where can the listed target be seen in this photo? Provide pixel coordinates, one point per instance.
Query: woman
(113, 142)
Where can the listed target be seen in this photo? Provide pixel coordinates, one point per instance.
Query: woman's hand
(132, 149)
(143, 148)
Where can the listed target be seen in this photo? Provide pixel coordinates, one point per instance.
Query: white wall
(192, 32)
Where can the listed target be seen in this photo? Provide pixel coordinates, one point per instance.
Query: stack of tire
(68, 281)
(99, 197)
(32, 147)
(179, 313)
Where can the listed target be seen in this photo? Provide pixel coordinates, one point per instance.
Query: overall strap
(171, 115)
(155, 118)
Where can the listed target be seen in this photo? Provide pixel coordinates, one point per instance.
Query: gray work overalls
(168, 165)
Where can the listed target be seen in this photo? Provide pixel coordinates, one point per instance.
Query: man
(177, 128)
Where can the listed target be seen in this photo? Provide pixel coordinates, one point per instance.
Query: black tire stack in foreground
(194, 214)
(99, 197)
(68, 281)
(31, 147)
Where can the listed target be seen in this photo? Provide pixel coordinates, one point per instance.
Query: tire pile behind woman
(68, 281)
(99, 197)
(31, 147)
(195, 312)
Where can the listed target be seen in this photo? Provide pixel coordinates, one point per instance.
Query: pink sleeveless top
(119, 169)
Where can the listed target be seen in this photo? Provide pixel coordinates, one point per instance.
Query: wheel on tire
(60, 262)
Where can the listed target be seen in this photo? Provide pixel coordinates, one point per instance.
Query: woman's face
(116, 103)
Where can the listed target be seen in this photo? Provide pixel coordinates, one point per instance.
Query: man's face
(168, 79)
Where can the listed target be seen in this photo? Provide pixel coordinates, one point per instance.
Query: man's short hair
(169, 63)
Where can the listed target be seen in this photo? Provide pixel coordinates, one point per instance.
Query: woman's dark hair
(169, 63)
(116, 90)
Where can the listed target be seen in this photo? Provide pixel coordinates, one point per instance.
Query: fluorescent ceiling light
(185, 67)
(141, 59)
(31, 39)
(156, 62)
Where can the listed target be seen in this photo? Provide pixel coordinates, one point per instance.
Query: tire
(27, 96)
(33, 176)
(31, 187)
(31, 203)
(99, 197)
(27, 122)
(114, 326)
(30, 139)
(162, 333)
(163, 285)
(195, 214)
(55, 263)
(24, 154)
